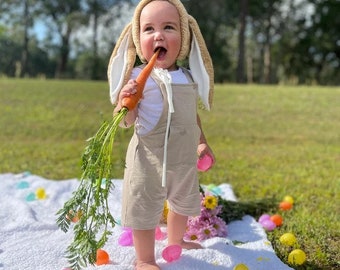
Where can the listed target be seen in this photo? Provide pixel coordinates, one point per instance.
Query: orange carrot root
(131, 102)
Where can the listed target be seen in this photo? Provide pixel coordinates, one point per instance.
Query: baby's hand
(128, 89)
(204, 149)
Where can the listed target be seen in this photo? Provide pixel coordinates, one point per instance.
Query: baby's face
(160, 28)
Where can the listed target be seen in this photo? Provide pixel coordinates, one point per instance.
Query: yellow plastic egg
(288, 199)
(297, 257)
(40, 193)
(240, 266)
(288, 239)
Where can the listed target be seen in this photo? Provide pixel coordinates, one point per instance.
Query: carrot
(131, 102)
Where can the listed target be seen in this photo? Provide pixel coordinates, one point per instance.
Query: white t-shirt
(151, 105)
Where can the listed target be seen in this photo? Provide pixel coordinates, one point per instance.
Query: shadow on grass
(235, 210)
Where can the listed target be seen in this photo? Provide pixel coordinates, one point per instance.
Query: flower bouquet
(217, 212)
(208, 224)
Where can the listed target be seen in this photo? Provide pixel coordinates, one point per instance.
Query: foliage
(269, 141)
(236, 210)
(292, 42)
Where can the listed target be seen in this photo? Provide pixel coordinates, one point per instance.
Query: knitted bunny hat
(193, 47)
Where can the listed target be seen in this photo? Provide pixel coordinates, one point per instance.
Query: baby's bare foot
(147, 266)
(191, 245)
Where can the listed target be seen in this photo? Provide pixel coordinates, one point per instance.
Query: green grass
(268, 140)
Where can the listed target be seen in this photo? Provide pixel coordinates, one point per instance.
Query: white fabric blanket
(31, 240)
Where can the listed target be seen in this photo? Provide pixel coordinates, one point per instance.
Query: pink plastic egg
(126, 238)
(269, 225)
(172, 253)
(204, 163)
(159, 235)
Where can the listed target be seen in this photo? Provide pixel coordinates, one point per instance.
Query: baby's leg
(177, 225)
(144, 242)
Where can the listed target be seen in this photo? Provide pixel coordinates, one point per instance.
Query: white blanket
(31, 240)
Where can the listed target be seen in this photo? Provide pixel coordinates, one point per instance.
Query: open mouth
(162, 52)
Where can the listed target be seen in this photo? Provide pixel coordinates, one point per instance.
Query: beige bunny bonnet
(193, 47)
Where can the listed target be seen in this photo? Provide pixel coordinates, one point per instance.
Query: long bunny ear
(200, 65)
(121, 63)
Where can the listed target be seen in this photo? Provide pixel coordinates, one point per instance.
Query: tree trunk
(250, 73)
(267, 76)
(24, 54)
(240, 76)
(63, 57)
(95, 47)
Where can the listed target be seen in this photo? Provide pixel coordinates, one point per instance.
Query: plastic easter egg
(288, 239)
(103, 183)
(211, 186)
(40, 193)
(30, 197)
(241, 266)
(126, 238)
(26, 173)
(268, 225)
(277, 219)
(204, 163)
(172, 253)
(285, 206)
(297, 257)
(288, 199)
(75, 217)
(264, 217)
(159, 235)
(23, 185)
(102, 257)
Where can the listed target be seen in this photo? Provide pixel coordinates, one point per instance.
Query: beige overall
(143, 194)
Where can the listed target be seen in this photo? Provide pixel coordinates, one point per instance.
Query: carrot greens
(89, 202)
(88, 207)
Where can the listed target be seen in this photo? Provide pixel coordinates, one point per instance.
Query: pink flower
(207, 224)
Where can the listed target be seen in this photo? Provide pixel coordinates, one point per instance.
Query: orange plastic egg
(277, 219)
(74, 217)
(285, 205)
(102, 257)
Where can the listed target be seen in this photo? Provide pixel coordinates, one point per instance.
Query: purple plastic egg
(126, 238)
(264, 217)
(268, 225)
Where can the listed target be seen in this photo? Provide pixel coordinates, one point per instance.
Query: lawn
(268, 141)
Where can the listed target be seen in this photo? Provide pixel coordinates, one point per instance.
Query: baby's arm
(127, 90)
(203, 147)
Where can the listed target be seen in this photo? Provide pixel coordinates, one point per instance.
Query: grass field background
(268, 141)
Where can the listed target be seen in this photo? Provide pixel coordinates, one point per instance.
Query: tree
(324, 36)
(216, 19)
(97, 8)
(66, 17)
(240, 77)
(309, 44)
(266, 18)
(20, 15)
(9, 56)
